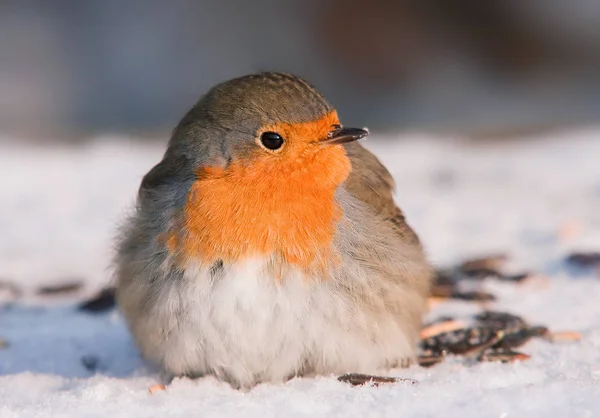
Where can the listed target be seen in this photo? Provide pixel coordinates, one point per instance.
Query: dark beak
(344, 135)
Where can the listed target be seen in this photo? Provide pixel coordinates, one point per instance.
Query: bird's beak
(344, 135)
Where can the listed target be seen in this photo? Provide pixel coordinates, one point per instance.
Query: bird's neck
(264, 209)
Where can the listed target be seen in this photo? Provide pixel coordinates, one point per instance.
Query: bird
(266, 245)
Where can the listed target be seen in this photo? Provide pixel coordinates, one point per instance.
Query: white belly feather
(246, 327)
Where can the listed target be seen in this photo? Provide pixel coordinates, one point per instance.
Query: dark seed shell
(584, 260)
(490, 263)
(63, 288)
(482, 273)
(515, 339)
(441, 291)
(449, 292)
(90, 362)
(430, 360)
(502, 355)
(445, 278)
(500, 321)
(539, 331)
(516, 278)
(102, 302)
(476, 296)
(463, 341)
(441, 326)
(357, 379)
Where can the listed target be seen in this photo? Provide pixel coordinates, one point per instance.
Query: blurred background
(71, 69)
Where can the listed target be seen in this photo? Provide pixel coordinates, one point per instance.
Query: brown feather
(370, 182)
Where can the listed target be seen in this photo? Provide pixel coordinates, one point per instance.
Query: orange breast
(270, 204)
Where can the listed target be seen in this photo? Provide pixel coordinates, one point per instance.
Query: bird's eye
(271, 140)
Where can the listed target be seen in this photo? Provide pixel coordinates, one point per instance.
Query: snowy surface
(536, 200)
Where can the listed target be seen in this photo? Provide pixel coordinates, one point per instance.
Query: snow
(536, 199)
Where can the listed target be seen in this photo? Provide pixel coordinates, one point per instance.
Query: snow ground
(536, 200)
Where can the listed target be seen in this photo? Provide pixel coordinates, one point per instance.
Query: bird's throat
(286, 209)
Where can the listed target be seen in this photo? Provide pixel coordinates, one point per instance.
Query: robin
(266, 244)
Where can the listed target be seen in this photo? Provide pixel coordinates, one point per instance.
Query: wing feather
(371, 183)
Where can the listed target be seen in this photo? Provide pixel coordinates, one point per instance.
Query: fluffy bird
(266, 244)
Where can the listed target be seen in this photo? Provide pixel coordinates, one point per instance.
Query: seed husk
(358, 379)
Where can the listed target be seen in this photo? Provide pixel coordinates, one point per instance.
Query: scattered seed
(441, 291)
(584, 260)
(444, 278)
(565, 336)
(464, 341)
(494, 335)
(428, 360)
(90, 362)
(357, 379)
(500, 320)
(484, 344)
(441, 319)
(432, 302)
(474, 296)
(515, 339)
(516, 331)
(502, 355)
(477, 269)
(441, 327)
(450, 292)
(156, 388)
(483, 273)
(103, 301)
(64, 288)
(539, 331)
(491, 263)
(519, 277)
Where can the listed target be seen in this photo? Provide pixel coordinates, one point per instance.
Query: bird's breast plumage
(282, 205)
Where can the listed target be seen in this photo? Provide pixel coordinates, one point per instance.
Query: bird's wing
(371, 183)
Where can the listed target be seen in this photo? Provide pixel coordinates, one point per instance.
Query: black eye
(271, 140)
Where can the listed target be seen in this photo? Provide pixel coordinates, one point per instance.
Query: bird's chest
(249, 300)
(241, 213)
